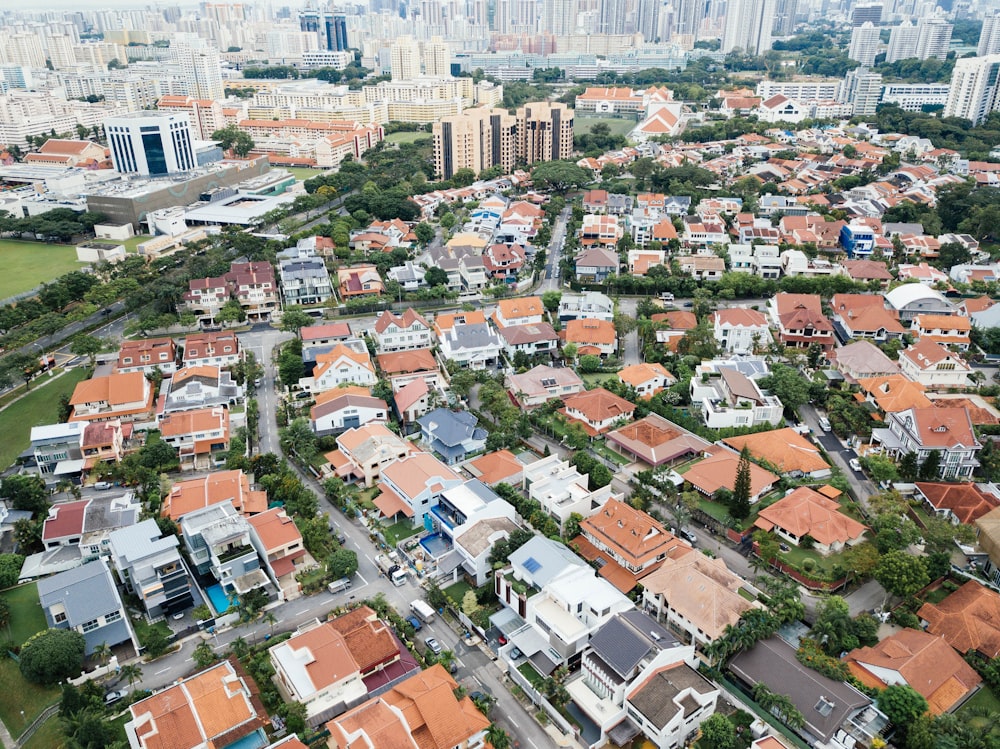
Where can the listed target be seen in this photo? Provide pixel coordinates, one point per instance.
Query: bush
(905, 619)
(52, 655)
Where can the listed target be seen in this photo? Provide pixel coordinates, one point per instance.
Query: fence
(97, 673)
(538, 699)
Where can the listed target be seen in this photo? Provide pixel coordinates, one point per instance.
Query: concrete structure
(562, 490)
(974, 88)
(149, 565)
(150, 143)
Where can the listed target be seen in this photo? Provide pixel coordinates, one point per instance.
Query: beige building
(476, 139)
(544, 132)
(437, 58)
(404, 59)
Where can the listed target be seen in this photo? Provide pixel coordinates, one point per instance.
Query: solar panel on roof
(548, 382)
(532, 565)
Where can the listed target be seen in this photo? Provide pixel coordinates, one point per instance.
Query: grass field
(39, 406)
(26, 617)
(406, 137)
(583, 125)
(48, 736)
(130, 244)
(303, 172)
(28, 264)
(21, 697)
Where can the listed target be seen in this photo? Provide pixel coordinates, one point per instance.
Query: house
(519, 311)
(968, 619)
(595, 265)
(419, 711)
(867, 270)
(740, 330)
(862, 360)
(86, 600)
(806, 512)
(497, 467)
(150, 567)
(444, 322)
(591, 337)
(718, 471)
(412, 486)
(200, 436)
(476, 346)
(475, 544)
(409, 275)
(200, 386)
(626, 544)
(219, 486)
(125, 397)
(57, 448)
(147, 355)
(857, 240)
(730, 398)
(600, 231)
(562, 490)
(532, 339)
(934, 366)
(912, 299)
(784, 449)
(961, 503)
(591, 305)
(304, 277)
(364, 451)
(452, 434)
(344, 365)
(864, 316)
(779, 108)
(597, 410)
(670, 704)
(218, 708)
(671, 326)
(359, 281)
(65, 152)
(894, 393)
(402, 332)
(762, 260)
(944, 430)
(403, 367)
(217, 541)
(541, 384)
(948, 330)
(800, 320)
(346, 408)
(278, 542)
(696, 596)
(253, 285)
(318, 339)
(836, 715)
(920, 660)
(655, 441)
(412, 401)
(646, 379)
(217, 349)
(88, 523)
(504, 261)
(923, 273)
(703, 267)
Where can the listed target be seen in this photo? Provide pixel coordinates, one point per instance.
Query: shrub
(52, 655)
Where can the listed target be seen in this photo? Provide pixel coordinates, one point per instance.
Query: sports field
(406, 137)
(617, 125)
(28, 264)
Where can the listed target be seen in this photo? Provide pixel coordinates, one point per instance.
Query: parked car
(855, 464)
(415, 623)
(689, 537)
(112, 697)
(102, 486)
(515, 653)
(433, 645)
(824, 424)
(784, 547)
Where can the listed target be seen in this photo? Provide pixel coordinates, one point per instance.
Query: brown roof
(182, 423)
(926, 352)
(629, 533)
(368, 638)
(324, 654)
(405, 362)
(496, 467)
(194, 494)
(718, 471)
(656, 440)
(943, 427)
(639, 374)
(895, 392)
(403, 321)
(966, 501)
(117, 389)
(520, 307)
(805, 511)
(415, 473)
(275, 528)
(785, 449)
(676, 319)
(865, 270)
(749, 318)
(599, 405)
(150, 346)
(969, 619)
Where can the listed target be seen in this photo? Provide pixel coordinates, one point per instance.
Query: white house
(590, 305)
(345, 408)
(347, 364)
(730, 397)
(402, 332)
(934, 366)
(475, 345)
(740, 331)
(562, 490)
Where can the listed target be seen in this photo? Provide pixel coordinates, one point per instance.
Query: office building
(544, 132)
(477, 139)
(864, 44)
(437, 58)
(902, 42)
(989, 37)
(150, 143)
(331, 28)
(748, 26)
(973, 93)
(866, 13)
(404, 59)
(201, 69)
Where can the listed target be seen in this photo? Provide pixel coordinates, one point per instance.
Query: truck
(338, 585)
(390, 567)
(422, 609)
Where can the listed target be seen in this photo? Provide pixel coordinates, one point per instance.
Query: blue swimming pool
(255, 740)
(436, 544)
(218, 598)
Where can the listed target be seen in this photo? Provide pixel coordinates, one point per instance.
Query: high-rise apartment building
(404, 59)
(989, 37)
(515, 17)
(25, 50)
(612, 15)
(544, 132)
(437, 58)
(647, 19)
(974, 90)
(61, 53)
(150, 143)
(862, 89)
(688, 17)
(201, 68)
(864, 44)
(748, 26)
(559, 16)
(785, 12)
(332, 28)
(902, 42)
(933, 38)
(477, 139)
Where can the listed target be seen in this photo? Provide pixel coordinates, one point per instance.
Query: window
(91, 625)
(112, 617)
(60, 617)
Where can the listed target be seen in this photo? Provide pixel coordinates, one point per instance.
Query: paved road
(861, 487)
(550, 280)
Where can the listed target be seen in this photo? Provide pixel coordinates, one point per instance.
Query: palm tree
(103, 653)
(132, 672)
(271, 620)
(497, 737)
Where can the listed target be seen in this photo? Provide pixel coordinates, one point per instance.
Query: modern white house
(591, 305)
(402, 332)
(730, 397)
(562, 490)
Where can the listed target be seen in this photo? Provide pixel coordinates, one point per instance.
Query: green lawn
(618, 126)
(594, 379)
(406, 137)
(48, 736)
(936, 596)
(303, 172)
(528, 672)
(132, 242)
(796, 557)
(28, 264)
(39, 406)
(20, 696)
(398, 531)
(457, 591)
(981, 710)
(26, 616)
(143, 628)
(602, 449)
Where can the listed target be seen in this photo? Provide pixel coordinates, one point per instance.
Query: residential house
(147, 355)
(413, 485)
(944, 430)
(894, 393)
(800, 320)
(541, 384)
(647, 228)
(600, 231)
(402, 332)
(85, 599)
(730, 397)
(409, 276)
(671, 326)
(598, 410)
(762, 260)
(596, 265)
(423, 707)
(962, 503)
(320, 339)
(216, 349)
(504, 261)
(562, 490)
(150, 567)
(948, 330)
(346, 408)
(403, 367)
(703, 267)
(806, 512)
(460, 509)
(655, 441)
(519, 311)
(591, 337)
(696, 596)
(278, 542)
(718, 471)
(703, 232)
(646, 379)
(88, 523)
(200, 436)
(476, 346)
(934, 366)
(862, 360)
(920, 660)
(218, 486)
(123, 397)
(858, 316)
(206, 297)
(359, 281)
(738, 330)
(867, 270)
(104, 441)
(452, 434)
(591, 305)
(412, 401)
(912, 299)
(497, 467)
(447, 321)
(784, 449)
(217, 540)
(670, 704)
(364, 451)
(533, 339)
(925, 274)
(304, 277)
(346, 364)
(836, 715)
(857, 240)
(476, 541)
(218, 708)
(968, 619)
(57, 447)
(201, 386)
(253, 285)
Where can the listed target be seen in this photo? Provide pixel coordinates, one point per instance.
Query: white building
(150, 143)
(740, 331)
(562, 490)
(989, 37)
(748, 26)
(974, 88)
(864, 44)
(729, 396)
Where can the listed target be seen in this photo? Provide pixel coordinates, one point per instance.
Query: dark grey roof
(449, 427)
(473, 335)
(627, 638)
(86, 592)
(104, 513)
(655, 699)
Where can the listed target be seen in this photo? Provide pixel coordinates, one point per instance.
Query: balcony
(234, 553)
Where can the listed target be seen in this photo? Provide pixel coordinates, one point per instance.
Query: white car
(824, 424)
(855, 464)
(433, 645)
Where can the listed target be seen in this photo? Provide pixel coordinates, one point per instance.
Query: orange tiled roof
(194, 494)
(895, 392)
(275, 528)
(599, 404)
(805, 511)
(630, 533)
(588, 331)
(966, 500)
(718, 471)
(495, 467)
(117, 389)
(969, 619)
(785, 449)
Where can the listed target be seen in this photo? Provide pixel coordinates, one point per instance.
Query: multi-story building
(933, 37)
(217, 539)
(947, 431)
(739, 330)
(730, 398)
(402, 332)
(544, 132)
(989, 37)
(304, 277)
(278, 542)
(902, 42)
(149, 565)
(147, 355)
(150, 143)
(331, 28)
(363, 452)
(201, 68)
(974, 88)
(913, 97)
(748, 26)
(404, 55)
(864, 44)
(53, 444)
(476, 139)
(562, 490)
(127, 397)
(200, 436)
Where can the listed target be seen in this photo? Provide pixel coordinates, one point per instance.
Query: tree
(786, 384)
(424, 233)
(52, 655)
(26, 492)
(89, 729)
(902, 704)
(294, 319)
(589, 363)
(436, 277)
(203, 655)
(551, 300)
(132, 672)
(342, 563)
(901, 574)
(10, 569)
(931, 467)
(23, 365)
(469, 603)
(290, 367)
(880, 468)
(155, 642)
(234, 139)
(496, 736)
(299, 438)
(157, 455)
(5, 615)
(571, 528)
(717, 733)
(559, 176)
(87, 345)
(739, 505)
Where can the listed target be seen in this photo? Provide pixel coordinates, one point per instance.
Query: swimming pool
(255, 740)
(218, 598)
(436, 544)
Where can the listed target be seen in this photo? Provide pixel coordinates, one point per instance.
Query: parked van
(336, 586)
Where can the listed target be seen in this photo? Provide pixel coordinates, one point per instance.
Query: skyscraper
(150, 143)
(688, 17)
(477, 139)
(785, 12)
(933, 38)
(989, 37)
(404, 59)
(864, 44)
(437, 58)
(862, 89)
(648, 19)
(611, 19)
(332, 29)
(559, 16)
(973, 93)
(864, 13)
(748, 26)
(902, 42)
(544, 132)
(202, 70)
